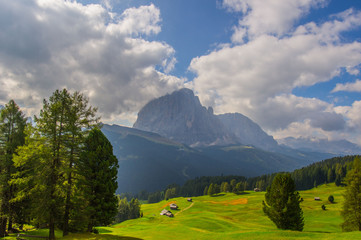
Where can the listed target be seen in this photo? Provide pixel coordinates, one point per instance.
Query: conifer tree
(52, 150)
(134, 209)
(282, 203)
(12, 125)
(352, 205)
(205, 191)
(98, 168)
(211, 189)
(80, 118)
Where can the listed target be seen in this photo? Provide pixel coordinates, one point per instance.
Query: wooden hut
(167, 213)
(173, 206)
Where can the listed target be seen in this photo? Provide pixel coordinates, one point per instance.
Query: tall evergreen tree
(134, 209)
(282, 203)
(12, 125)
(52, 125)
(80, 118)
(98, 168)
(59, 135)
(352, 205)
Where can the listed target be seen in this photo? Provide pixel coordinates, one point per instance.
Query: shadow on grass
(118, 237)
(319, 232)
(241, 193)
(218, 195)
(92, 236)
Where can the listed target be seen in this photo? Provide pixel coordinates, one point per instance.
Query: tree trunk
(3, 227)
(10, 226)
(68, 195)
(67, 208)
(90, 227)
(51, 228)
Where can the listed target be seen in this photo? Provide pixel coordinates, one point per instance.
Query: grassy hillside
(230, 216)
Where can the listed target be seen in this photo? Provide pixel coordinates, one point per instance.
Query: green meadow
(229, 216)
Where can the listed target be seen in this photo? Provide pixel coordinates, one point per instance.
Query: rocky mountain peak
(181, 117)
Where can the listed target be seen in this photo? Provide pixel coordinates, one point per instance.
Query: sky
(291, 66)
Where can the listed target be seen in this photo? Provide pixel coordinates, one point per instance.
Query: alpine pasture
(228, 216)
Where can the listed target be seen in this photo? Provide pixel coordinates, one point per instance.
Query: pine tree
(227, 187)
(98, 168)
(211, 189)
(12, 125)
(205, 191)
(123, 211)
(282, 203)
(134, 209)
(351, 207)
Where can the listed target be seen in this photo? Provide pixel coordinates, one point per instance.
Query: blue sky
(291, 66)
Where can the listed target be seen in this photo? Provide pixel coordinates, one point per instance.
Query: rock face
(247, 131)
(181, 117)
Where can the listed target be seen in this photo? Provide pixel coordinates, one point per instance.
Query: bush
(331, 199)
(323, 207)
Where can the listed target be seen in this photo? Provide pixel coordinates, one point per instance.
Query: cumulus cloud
(51, 44)
(257, 74)
(348, 87)
(268, 16)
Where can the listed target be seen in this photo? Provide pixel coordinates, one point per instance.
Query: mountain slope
(247, 131)
(150, 162)
(339, 147)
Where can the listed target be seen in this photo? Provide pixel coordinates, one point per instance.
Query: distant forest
(326, 171)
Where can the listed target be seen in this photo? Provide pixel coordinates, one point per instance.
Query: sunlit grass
(228, 216)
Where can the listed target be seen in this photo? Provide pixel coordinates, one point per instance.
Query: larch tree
(351, 211)
(282, 203)
(80, 118)
(59, 134)
(12, 125)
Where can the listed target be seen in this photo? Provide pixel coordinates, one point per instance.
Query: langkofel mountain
(175, 138)
(181, 117)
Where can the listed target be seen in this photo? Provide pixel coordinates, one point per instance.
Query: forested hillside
(326, 171)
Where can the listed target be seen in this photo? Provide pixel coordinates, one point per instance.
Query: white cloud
(256, 77)
(348, 87)
(46, 45)
(268, 16)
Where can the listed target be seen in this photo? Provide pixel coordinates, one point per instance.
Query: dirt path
(184, 209)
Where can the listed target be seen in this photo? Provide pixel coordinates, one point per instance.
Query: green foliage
(205, 192)
(331, 199)
(47, 162)
(155, 197)
(98, 168)
(170, 193)
(351, 211)
(211, 190)
(282, 203)
(128, 210)
(12, 126)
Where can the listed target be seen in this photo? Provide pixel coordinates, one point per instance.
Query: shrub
(331, 199)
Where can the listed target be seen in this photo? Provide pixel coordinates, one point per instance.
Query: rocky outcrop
(181, 117)
(247, 131)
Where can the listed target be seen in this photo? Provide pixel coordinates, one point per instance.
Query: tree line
(58, 172)
(326, 171)
(282, 202)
